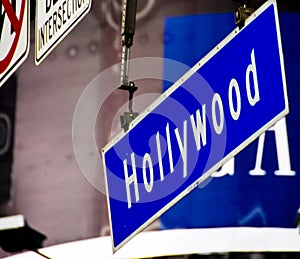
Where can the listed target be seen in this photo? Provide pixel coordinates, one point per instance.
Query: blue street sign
(260, 186)
(217, 108)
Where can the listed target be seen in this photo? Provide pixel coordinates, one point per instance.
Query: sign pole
(127, 33)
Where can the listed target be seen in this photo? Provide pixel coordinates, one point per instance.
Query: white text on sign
(198, 124)
(59, 17)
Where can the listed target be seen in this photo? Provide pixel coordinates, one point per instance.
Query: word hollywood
(198, 123)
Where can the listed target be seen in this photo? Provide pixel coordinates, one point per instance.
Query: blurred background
(39, 175)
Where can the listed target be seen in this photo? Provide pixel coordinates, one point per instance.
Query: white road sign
(54, 20)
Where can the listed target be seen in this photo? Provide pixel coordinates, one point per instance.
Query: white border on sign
(38, 59)
(171, 90)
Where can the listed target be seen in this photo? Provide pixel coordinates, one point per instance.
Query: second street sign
(209, 115)
(54, 20)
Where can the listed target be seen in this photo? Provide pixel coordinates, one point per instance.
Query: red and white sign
(14, 36)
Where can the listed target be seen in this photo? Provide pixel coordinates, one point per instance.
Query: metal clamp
(242, 13)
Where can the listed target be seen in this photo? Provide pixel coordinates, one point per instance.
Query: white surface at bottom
(179, 242)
